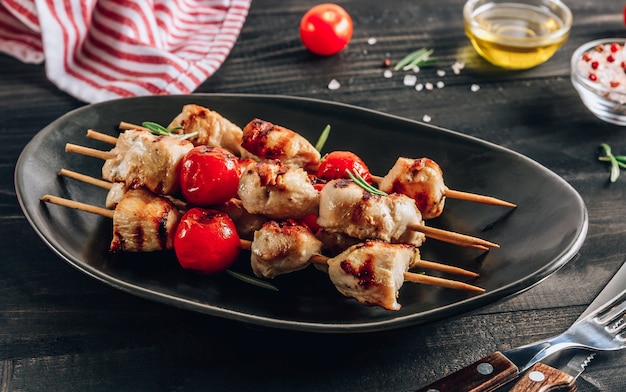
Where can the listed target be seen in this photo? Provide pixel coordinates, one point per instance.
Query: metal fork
(603, 330)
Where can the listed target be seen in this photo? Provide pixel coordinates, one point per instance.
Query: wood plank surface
(63, 331)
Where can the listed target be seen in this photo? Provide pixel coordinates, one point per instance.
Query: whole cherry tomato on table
(206, 241)
(334, 165)
(209, 175)
(326, 29)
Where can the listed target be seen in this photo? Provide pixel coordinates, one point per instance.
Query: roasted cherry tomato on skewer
(209, 175)
(326, 29)
(334, 165)
(206, 241)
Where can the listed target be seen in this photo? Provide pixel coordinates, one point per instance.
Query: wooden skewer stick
(453, 237)
(460, 195)
(90, 152)
(418, 278)
(126, 126)
(410, 276)
(103, 137)
(86, 179)
(78, 205)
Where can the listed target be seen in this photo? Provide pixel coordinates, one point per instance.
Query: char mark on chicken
(269, 188)
(144, 222)
(347, 208)
(282, 247)
(142, 159)
(210, 127)
(372, 272)
(420, 179)
(270, 141)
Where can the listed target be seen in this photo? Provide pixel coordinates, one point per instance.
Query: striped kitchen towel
(98, 50)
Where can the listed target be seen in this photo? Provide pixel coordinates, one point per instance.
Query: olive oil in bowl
(517, 35)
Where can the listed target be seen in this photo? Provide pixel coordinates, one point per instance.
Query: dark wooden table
(61, 330)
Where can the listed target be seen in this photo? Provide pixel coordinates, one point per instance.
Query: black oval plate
(537, 238)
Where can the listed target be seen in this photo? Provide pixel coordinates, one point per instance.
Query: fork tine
(612, 311)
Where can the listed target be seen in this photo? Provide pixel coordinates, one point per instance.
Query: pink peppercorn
(593, 77)
(586, 57)
(615, 48)
(614, 84)
(595, 64)
(610, 58)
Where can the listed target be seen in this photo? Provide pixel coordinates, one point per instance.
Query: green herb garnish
(160, 130)
(615, 161)
(252, 281)
(322, 139)
(356, 177)
(419, 58)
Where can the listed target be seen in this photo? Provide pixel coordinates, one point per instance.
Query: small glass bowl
(517, 34)
(597, 73)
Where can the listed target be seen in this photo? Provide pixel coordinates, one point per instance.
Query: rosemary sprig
(322, 139)
(160, 130)
(612, 159)
(418, 58)
(356, 177)
(251, 280)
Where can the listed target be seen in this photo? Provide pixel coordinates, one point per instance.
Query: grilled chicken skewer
(276, 240)
(290, 187)
(373, 280)
(347, 208)
(421, 179)
(371, 272)
(142, 221)
(208, 128)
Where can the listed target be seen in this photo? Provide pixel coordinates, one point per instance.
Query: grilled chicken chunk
(245, 222)
(347, 208)
(372, 272)
(212, 128)
(269, 141)
(144, 222)
(282, 247)
(269, 188)
(144, 159)
(420, 179)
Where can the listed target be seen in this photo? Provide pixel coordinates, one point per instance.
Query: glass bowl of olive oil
(517, 34)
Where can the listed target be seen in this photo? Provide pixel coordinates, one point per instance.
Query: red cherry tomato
(206, 241)
(310, 221)
(326, 29)
(335, 164)
(209, 175)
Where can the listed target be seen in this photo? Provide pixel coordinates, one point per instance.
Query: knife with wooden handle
(499, 368)
(543, 378)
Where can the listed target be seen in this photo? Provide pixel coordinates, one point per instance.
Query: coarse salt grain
(334, 84)
(457, 67)
(606, 65)
(410, 80)
(441, 73)
(426, 118)
(440, 84)
(372, 41)
(419, 87)
(474, 87)
(429, 86)
(387, 74)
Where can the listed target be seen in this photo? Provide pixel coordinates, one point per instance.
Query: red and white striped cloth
(98, 50)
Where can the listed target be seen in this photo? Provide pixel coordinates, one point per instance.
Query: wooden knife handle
(543, 378)
(485, 375)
